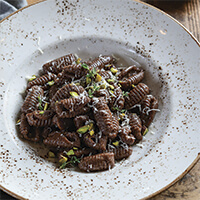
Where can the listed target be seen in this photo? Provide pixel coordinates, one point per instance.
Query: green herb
(91, 132)
(85, 66)
(90, 93)
(98, 78)
(40, 103)
(78, 61)
(75, 148)
(116, 108)
(111, 87)
(125, 94)
(74, 160)
(88, 80)
(33, 77)
(41, 112)
(50, 83)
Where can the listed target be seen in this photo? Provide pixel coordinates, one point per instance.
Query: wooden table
(187, 12)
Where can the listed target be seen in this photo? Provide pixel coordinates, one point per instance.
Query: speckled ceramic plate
(132, 31)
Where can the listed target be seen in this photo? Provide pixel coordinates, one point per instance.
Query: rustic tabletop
(187, 12)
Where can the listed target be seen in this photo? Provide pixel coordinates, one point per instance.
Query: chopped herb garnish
(74, 160)
(40, 103)
(91, 126)
(133, 86)
(33, 77)
(50, 83)
(85, 66)
(41, 112)
(90, 93)
(116, 108)
(116, 143)
(125, 94)
(75, 148)
(83, 129)
(103, 86)
(70, 152)
(74, 94)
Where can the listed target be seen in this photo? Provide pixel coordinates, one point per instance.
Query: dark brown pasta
(64, 93)
(68, 108)
(101, 61)
(98, 162)
(136, 126)
(93, 141)
(62, 140)
(28, 132)
(88, 114)
(149, 107)
(40, 118)
(56, 66)
(116, 99)
(128, 72)
(121, 152)
(136, 95)
(105, 74)
(126, 136)
(128, 83)
(42, 80)
(62, 123)
(80, 120)
(31, 100)
(104, 117)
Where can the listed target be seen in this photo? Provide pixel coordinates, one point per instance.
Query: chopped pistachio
(119, 85)
(51, 154)
(74, 94)
(88, 80)
(98, 78)
(33, 77)
(103, 86)
(113, 70)
(83, 129)
(91, 132)
(45, 106)
(122, 116)
(116, 143)
(50, 83)
(91, 126)
(18, 122)
(111, 87)
(63, 159)
(78, 61)
(110, 80)
(145, 132)
(41, 112)
(70, 152)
